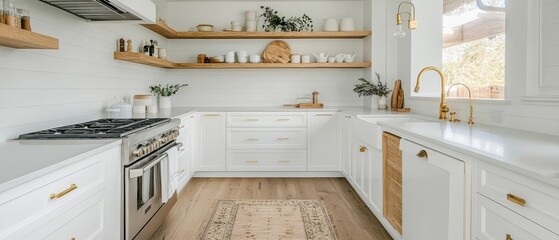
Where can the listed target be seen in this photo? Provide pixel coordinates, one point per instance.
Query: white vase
(382, 103)
(164, 102)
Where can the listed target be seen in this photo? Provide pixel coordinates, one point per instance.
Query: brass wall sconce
(412, 23)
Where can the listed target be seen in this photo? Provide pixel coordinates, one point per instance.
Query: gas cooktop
(101, 128)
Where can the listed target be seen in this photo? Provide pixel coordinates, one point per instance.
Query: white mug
(331, 25)
(255, 59)
(295, 58)
(242, 59)
(242, 53)
(347, 25)
(306, 59)
(230, 57)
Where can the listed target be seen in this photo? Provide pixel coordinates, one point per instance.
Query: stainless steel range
(145, 143)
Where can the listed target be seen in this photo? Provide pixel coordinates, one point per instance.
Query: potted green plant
(274, 23)
(369, 89)
(165, 93)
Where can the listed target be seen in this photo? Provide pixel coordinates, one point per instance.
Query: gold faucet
(443, 108)
(471, 108)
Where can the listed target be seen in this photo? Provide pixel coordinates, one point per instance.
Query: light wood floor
(350, 216)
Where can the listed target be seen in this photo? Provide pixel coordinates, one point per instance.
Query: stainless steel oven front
(142, 191)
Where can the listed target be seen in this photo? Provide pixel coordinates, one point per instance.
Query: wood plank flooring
(351, 217)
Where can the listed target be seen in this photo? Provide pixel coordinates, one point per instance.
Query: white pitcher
(321, 57)
(348, 58)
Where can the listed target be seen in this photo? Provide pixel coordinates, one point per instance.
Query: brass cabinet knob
(509, 237)
(422, 154)
(362, 149)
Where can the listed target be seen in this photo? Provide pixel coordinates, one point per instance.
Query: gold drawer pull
(362, 149)
(73, 238)
(61, 194)
(422, 154)
(283, 138)
(284, 161)
(515, 199)
(347, 116)
(323, 115)
(284, 119)
(211, 115)
(509, 237)
(252, 139)
(252, 161)
(252, 120)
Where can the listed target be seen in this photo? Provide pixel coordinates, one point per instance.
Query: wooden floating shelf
(167, 32)
(156, 62)
(18, 38)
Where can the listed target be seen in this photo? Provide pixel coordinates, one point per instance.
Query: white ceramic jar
(347, 25)
(295, 58)
(331, 25)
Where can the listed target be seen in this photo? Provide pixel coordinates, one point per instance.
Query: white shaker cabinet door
(323, 142)
(212, 140)
(433, 192)
(345, 143)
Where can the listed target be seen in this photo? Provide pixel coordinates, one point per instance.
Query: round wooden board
(277, 52)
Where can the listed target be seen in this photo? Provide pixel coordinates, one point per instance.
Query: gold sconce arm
(412, 23)
(471, 108)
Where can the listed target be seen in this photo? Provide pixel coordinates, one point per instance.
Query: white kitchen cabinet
(212, 144)
(86, 203)
(323, 142)
(494, 221)
(345, 143)
(357, 158)
(433, 197)
(187, 136)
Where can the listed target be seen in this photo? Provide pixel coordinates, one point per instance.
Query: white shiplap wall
(46, 88)
(263, 87)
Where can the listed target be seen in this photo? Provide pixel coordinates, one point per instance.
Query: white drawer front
(271, 138)
(266, 160)
(367, 132)
(186, 122)
(24, 202)
(266, 120)
(541, 200)
(494, 222)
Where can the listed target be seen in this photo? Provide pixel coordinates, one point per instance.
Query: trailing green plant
(369, 88)
(167, 90)
(273, 21)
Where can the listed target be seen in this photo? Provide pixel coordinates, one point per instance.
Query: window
(474, 47)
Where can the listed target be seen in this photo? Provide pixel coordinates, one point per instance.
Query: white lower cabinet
(80, 201)
(266, 160)
(187, 137)
(212, 144)
(433, 194)
(345, 142)
(323, 149)
(494, 222)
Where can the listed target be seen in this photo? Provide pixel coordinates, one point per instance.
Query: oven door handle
(138, 172)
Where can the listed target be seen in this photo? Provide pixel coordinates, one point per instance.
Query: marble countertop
(23, 160)
(521, 150)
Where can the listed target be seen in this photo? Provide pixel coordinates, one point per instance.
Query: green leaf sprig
(167, 90)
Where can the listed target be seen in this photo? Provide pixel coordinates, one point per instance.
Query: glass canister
(10, 13)
(17, 17)
(25, 19)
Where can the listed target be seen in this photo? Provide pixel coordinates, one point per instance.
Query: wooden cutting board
(395, 93)
(277, 52)
(400, 103)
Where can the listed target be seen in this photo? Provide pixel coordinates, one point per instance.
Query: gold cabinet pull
(509, 237)
(347, 116)
(211, 115)
(284, 119)
(323, 115)
(283, 138)
(516, 199)
(284, 161)
(61, 194)
(252, 139)
(252, 161)
(362, 149)
(422, 154)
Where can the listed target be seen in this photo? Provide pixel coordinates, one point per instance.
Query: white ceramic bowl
(205, 28)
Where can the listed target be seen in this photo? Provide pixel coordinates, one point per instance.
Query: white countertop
(23, 160)
(522, 150)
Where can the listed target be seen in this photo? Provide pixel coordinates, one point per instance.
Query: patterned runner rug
(268, 220)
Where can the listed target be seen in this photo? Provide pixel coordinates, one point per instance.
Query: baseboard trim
(268, 174)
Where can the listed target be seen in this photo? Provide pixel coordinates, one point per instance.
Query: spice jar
(17, 17)
(25, 19)
(9, 13)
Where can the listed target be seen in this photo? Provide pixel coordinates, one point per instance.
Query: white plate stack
(250, 18)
